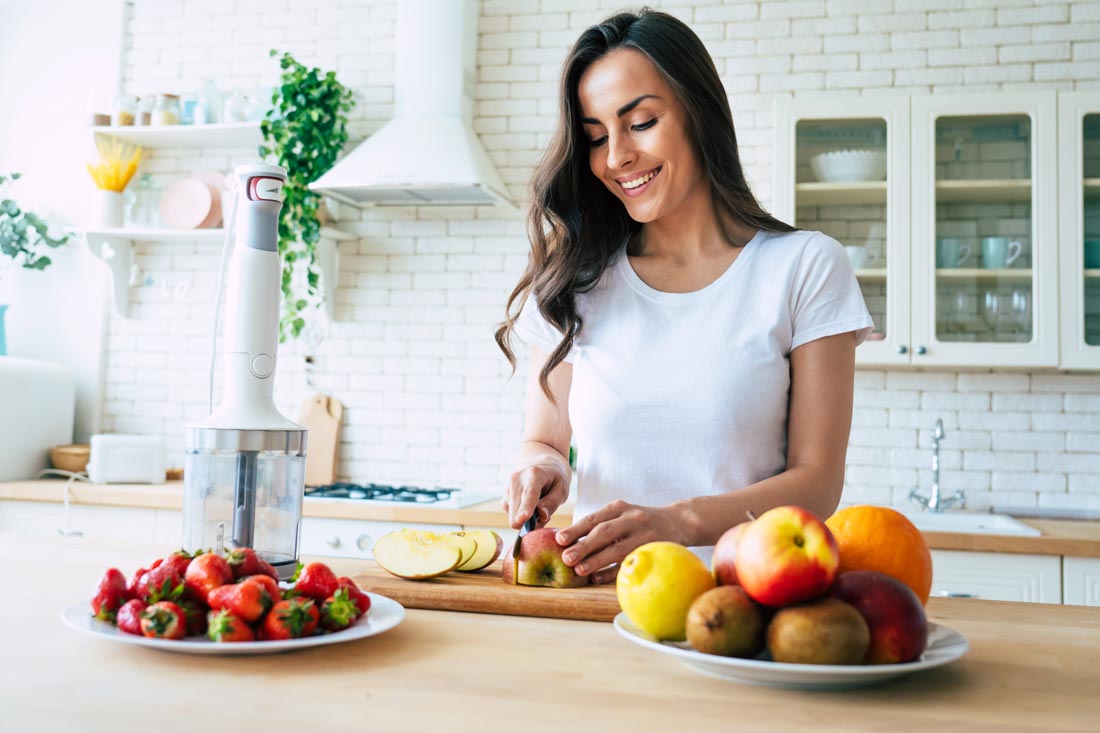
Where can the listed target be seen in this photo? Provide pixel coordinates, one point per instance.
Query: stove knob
(365, 542)
(333, 542)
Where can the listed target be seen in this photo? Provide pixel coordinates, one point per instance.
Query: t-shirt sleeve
(826, 295)
(534, 330)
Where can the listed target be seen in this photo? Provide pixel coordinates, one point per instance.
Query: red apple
(725, 550)
(540, 562)
(894, 615)
(786, 555)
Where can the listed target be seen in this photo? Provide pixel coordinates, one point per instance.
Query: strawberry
(109, 596)
(316, 581)
(244, 561)
(162, 583)
(269, 584)
(129, 616)
(163, 620)
(248, 599)
(180, 559)
(226, 627)
(194, 613)
(205, 573)
(362, 600)
(338, 611)
(289, 620)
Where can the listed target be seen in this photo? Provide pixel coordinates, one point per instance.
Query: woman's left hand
(603, 539)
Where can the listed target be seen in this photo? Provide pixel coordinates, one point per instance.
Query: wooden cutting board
(485, 592)
(322, 415)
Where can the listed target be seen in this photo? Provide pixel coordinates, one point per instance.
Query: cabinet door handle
(952, 594)
(903, 349)
(333, 541)
(365, 542)
(922, 350)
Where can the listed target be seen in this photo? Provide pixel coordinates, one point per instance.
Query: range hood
(428, 154)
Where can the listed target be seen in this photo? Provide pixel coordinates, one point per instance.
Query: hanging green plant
(23, 233)
(304, 132)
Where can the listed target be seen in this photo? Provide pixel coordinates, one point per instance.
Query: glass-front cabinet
(846, 169)
(1079, 227)
(985, 234)
(946, 206)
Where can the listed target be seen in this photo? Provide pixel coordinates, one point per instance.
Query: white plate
(383, 615)
(944, 645)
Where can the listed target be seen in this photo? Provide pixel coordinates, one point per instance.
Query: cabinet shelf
(871, 273)
(1092, 189)
(115, 246)
(225, 135)
(860, 192)
(978, 273)
(1011, 190)
(1091, 273)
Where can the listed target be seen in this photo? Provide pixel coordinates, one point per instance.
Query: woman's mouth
(636, 186)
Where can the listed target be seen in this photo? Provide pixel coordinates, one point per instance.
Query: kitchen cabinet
(994, 576)
(1079, 227)
(115, 246)
(164, 526)
(955, 247)
(1081, 581)
(353, 537)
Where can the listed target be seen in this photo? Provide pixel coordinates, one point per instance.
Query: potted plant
(304, 131)
(24, 236)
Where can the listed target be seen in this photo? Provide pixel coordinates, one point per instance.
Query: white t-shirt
(676, 395)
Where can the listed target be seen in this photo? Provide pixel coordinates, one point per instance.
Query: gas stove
(440, 497)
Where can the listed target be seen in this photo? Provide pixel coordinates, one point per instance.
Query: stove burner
(381, 492)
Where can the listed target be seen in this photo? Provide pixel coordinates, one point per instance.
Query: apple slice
(489, 545)
(405, 555)
(464, 541)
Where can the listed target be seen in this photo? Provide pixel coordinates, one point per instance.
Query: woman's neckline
(638, 284)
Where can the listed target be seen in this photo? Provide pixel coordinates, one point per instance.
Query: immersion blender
(244, 470)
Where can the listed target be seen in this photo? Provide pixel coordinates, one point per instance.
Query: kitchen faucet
(933, 502)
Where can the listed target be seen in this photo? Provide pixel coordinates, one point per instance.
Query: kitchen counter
(1030, 667)
(1059, 536)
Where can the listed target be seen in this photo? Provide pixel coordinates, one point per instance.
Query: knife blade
(529, 525)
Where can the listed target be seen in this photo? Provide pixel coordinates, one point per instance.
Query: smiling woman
(699, 351)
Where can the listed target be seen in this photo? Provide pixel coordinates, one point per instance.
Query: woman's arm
(818, 427)
(541, 477)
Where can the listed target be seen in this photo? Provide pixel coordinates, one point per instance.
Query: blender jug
(244, 468)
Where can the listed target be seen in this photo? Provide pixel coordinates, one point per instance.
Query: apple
(725, 550)
(540, 563)
(489, 545)
(786, 555)
(414, 556)
(894, 615)
(464, 541)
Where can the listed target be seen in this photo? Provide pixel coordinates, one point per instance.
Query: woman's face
(640, 146)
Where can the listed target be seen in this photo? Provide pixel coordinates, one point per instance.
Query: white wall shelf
(226, 135)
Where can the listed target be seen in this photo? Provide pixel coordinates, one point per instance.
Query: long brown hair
(575, 224)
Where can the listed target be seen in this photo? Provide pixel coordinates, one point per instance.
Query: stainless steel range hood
(428, 154)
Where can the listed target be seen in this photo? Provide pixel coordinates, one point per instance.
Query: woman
(698, 351)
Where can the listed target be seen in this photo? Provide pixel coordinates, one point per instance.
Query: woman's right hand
(542, 487)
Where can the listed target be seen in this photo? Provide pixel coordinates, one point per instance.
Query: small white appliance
(115, 458)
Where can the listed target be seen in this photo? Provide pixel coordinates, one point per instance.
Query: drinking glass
(991, 311)
(1021, 311)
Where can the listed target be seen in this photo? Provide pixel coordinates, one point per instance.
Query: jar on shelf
(208, 107)
(145, 210)
(125, 111)
(235, 107)
(166, 110)
(144, 115)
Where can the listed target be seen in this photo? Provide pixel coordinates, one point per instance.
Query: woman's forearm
(704, 518)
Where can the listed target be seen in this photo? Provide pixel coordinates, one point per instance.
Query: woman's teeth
(640, 180)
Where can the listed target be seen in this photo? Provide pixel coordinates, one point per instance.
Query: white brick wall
(411, 354)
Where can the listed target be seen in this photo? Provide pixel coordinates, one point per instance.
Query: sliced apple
(489, 545)
(405, 554)
(464, 541)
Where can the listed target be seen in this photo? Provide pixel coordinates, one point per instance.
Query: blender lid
(207, 440)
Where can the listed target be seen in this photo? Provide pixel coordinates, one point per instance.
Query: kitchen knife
(527, 527)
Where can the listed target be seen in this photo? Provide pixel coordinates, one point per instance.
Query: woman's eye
(597, 142)
(645, 125)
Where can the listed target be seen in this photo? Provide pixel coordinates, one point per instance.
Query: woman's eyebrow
(621, 111)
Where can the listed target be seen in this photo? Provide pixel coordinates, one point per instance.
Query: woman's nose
(620, 152)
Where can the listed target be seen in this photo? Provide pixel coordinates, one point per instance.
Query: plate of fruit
(791, 601)
(230, 603)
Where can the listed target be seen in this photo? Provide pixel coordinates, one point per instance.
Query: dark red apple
(894, 615)
(725, 550)
(540, 562)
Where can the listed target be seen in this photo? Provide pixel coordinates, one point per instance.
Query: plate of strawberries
(231, 603)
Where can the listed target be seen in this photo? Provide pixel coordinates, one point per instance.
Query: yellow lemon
(657, 583)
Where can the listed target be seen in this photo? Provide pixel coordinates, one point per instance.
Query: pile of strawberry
(228, 597)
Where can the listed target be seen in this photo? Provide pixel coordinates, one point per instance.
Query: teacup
(951, 252)
(861, 256)
(999, 252)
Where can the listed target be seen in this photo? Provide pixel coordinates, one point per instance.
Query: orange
(882, 539)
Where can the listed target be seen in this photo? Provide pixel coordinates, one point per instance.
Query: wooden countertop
(1030, 667)
(1059, 536)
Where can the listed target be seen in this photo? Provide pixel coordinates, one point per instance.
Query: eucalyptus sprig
(23, 233)
(304, 132)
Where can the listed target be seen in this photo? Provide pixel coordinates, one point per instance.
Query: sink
(973, 522)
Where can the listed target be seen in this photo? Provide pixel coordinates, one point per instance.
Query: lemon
(657, 583)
